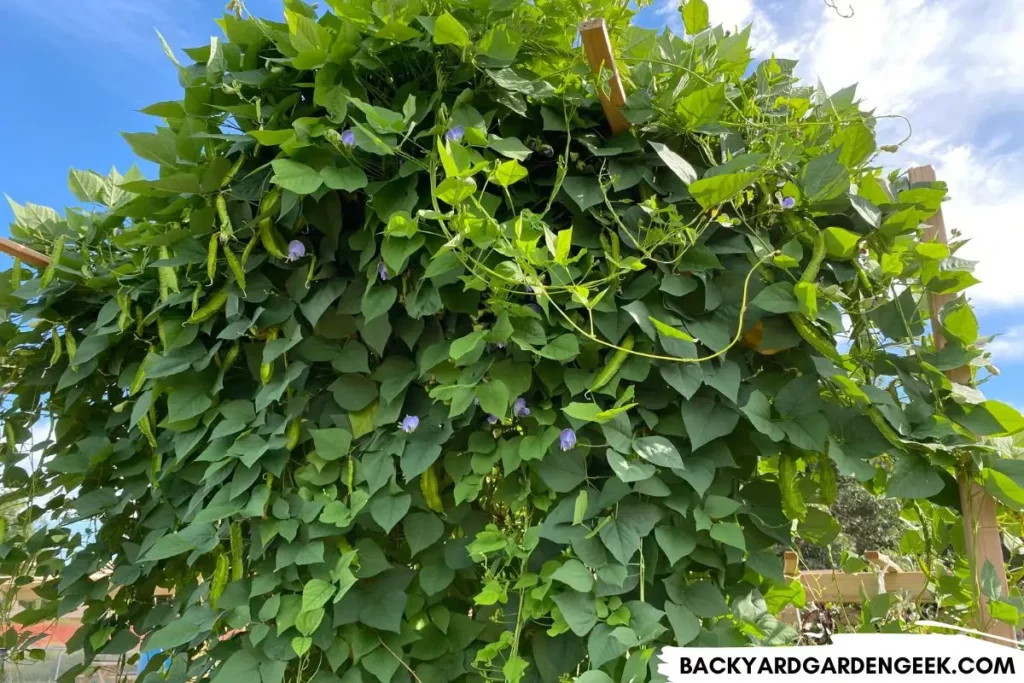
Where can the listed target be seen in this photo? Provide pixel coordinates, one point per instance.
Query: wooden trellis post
(27, 255)
(981, 529)
(598, 48)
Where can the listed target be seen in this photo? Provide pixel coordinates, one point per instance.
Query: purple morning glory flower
(567, 439)
(348, 138)
(296, 250)
(519, 408)
(491, 419)
(788, 203)
(382, 271)
(455, 134)
(410, 423)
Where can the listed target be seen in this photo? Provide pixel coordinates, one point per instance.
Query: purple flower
(491, 419)
(788, 203)
(410, 423)
(117, 231)
(296, 250)
(455, 134)
(382, 271)
(348, 138)
(567, 439)
(519, 408)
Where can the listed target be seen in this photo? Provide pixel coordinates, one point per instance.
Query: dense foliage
(404, 367)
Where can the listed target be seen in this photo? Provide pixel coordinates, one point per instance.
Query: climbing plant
(401, 367)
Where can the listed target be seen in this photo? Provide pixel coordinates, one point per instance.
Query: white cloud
(1008, 348)
(953, 67)
(986, 205)
(889, 46)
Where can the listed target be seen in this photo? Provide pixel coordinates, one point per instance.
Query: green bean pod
(236, 551)
(294, 432)
(429, 487)
(155, 465)
(168, 277)
(236, 268)
(617, 359)
(272, 241)
(208, 309)
(227, 231)
(233, 171)
(812, 337)
(817, 258)
(71, 344)
(211, 258)
(247, 252)
(792, 502)
(51, 269)
(147, 430)
(231, 355)
(220, 579)
(56, 348)
(139, 379)
(267, 369)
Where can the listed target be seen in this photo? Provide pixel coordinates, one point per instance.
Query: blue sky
(78, 71)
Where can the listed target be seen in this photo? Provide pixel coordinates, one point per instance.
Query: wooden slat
(829, 586)
(27, 255)
(598, 48)
(980, 526)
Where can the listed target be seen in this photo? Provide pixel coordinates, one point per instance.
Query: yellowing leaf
(563, 245)
(508, 173)
(695, 16)
(840, 243)
(451, 169)
(448, 31)
(456, 190)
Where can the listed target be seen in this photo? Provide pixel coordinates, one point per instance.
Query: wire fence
(57, 662)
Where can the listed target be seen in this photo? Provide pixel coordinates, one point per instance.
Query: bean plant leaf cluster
(399, 366)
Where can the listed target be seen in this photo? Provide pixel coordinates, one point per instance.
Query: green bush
(405, 367)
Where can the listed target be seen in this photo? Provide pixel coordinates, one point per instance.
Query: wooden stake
(981, 529)
(789, 566)
(881, 562)
(598, 48)
(27, 255)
